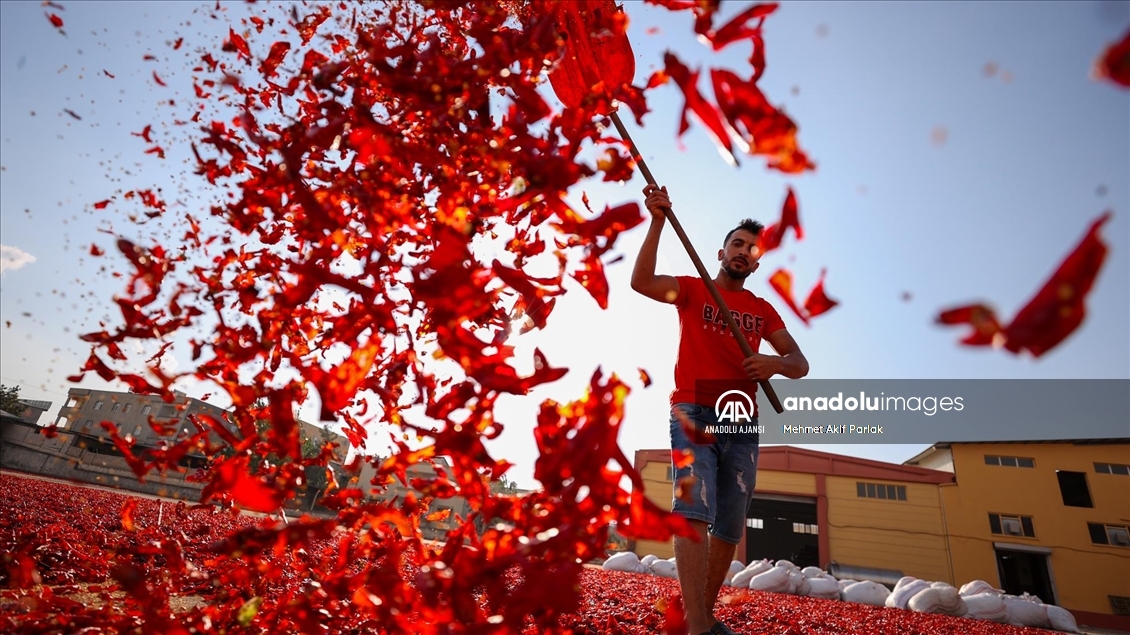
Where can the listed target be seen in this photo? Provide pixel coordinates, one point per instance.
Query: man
(723, 473)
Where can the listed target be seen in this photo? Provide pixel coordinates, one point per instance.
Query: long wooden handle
(747, 350)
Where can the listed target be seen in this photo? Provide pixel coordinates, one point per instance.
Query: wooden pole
(747, 350)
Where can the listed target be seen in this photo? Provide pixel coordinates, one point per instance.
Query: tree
(10, 400)
(503, 486)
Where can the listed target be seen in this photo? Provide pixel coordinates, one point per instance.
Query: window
(1009, 461)
(1073, 488)
(1112, 468)
(804, 528)
(137, 430)
(755, 523)
(97, 405)
(881, 491)
(86, 426)
(116, 407)
(1005, 525)
(1120, 605)
(72, 402)
(1113, 535)
(146, 410)
(127, 408)
(1118, 536)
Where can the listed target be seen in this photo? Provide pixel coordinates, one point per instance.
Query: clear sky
(936, 178)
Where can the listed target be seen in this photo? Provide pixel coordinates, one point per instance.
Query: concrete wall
(70, 455)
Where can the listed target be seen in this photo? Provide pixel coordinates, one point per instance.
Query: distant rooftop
(38, 405)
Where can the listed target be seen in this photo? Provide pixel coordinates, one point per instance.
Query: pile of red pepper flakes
(78, 558)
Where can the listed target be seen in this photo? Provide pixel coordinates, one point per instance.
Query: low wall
(65, 456)
(68, 455)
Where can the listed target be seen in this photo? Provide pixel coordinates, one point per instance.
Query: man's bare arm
(789, 361)
(644, 280)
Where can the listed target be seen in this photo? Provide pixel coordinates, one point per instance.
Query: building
(1050, 518)
(855, 516)
(148, 419)
(151, 421)
(79, 447)
(32, 410)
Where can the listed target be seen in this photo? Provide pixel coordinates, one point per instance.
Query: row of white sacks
(974, 600)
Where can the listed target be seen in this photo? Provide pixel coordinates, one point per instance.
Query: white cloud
(12, 258)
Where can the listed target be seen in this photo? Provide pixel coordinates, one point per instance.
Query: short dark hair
(747, 224)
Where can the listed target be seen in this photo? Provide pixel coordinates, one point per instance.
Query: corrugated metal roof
(41, 405)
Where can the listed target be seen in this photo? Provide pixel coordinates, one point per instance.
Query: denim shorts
(725, 473)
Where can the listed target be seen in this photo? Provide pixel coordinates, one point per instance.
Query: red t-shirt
(707, 349)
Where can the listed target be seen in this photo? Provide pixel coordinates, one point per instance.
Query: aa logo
(734, 406)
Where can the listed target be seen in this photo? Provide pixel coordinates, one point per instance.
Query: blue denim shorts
(725, 473)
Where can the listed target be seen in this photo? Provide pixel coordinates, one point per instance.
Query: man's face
(740, 256)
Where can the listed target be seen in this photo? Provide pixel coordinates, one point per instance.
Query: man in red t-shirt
(723, 471)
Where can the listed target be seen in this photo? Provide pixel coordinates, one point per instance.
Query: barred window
(882, 491)
(1009, 461)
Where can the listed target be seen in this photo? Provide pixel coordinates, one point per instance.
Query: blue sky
(1032, 154)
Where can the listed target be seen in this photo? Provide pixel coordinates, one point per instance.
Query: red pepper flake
(1054, 313)
(144, 134)
(770, 237)
(1114, 63)
(645, 377)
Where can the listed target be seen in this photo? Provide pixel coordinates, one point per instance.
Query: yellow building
(1050, 518)
(856, 517)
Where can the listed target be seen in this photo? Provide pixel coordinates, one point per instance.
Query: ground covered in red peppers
(77, 557)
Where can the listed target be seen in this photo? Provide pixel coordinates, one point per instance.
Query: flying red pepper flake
(235, 42)
(1114, 63)
(145, 134)
(392, 141)
(818, 302)
(771, 236)
(274, 58)
(1054, 313)
(56, 21)
(128, 510)
(645, 377)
